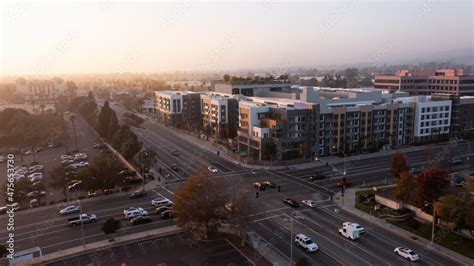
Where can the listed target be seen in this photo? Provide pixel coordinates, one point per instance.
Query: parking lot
(50, 157)
(163, 251)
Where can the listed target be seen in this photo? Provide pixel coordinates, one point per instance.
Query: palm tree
(73, 121)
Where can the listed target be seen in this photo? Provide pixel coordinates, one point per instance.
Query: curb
(104, 244)
(403, 233)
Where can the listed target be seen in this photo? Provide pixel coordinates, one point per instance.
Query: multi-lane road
(273, 223)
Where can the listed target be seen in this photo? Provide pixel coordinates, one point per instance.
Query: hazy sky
(54, 38)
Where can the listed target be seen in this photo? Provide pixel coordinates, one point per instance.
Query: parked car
(174, 167)
(100, 146)
(74, 186)
(167, 215)
(34, 194)
(306, 243)
(125, 189)
(175, 152)
(127, 173)
(108, 191)
(309, 203)
(65, 156)
(406, 253)
(292, 203)
(67, 161)
(28, 152)
(137, 194)
(80, 156)
(415, 171)
(212, 169)
(39, 149)
(92, 193)
(139, 220)
(2, 158)
(70, 209)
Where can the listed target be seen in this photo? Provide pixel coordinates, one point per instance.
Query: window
(422, 117)
(446, 115)
(435, 109)
(423, 109)
(446, 121)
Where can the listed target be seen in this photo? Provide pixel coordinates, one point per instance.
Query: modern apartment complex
(220, 115)
(311, 121)
(450, 81)
(179, 108)
(41, 91)
(277, 129)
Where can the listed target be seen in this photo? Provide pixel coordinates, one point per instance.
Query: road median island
(105, 244)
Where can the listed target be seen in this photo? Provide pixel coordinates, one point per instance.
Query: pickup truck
(83, 218)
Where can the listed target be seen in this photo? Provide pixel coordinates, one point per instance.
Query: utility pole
(82, 224)
(291, 239)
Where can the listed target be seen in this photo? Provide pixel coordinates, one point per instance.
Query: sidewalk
(349, 206)
(266, 250)
(104, 244)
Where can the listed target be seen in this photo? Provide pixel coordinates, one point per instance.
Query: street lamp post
(434, 221)
(291, 238)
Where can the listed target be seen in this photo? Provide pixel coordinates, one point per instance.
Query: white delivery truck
(349, 232)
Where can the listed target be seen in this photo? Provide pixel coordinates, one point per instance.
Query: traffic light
(256, 194)
(279, 188)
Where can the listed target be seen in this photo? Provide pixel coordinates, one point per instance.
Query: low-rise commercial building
(427, 82)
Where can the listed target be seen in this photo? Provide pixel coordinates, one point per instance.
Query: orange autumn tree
(199, 204)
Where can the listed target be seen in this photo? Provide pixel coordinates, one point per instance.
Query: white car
(74, 185)
(135, 213)
(65, 156)
(35, 175)
(17, 176)
(78, 165)
(67, 161)
(358, 227)
(154, 201)
(306, 243)
(36, 168)
(129, 209)
(29, 152)
(212, 169)
(164, 202)
(80, 156)
(406, 253)
(70, 209)
(309, 203)
(2, 159)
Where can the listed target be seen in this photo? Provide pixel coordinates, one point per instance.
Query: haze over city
(104, 37)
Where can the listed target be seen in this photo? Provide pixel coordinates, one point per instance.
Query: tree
(59, 180)
(111, 226)
(3, 251)
(126, 142)
(103, 120)
(431, 184)
(398, 165)
(73, 121)
(457, 209)
(351, 75)
(199, 205)
(113, 126)
(103, 173)
(404, 187)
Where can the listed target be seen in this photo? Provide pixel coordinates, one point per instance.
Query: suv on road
(292, 203)
(306, 243)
